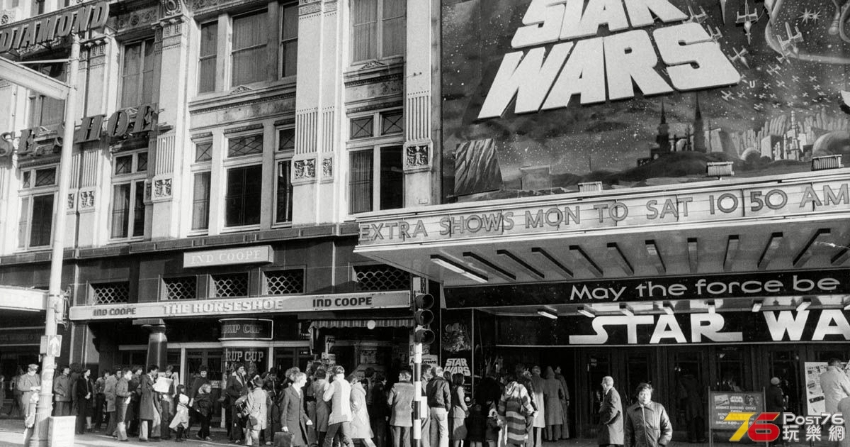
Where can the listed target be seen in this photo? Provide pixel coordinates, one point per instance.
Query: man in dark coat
(647, 423)
(236, 388)
(293, 419)
(610, 415)
(148, 408)
(400, 402)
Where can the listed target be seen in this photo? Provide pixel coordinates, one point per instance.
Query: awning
(395, 322)
(21, 298)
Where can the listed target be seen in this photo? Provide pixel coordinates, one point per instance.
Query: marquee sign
(246, 329)
(828, 325)
(728, 285)
(539, 96)
(44, 29)
(241, 306)
(579, 215)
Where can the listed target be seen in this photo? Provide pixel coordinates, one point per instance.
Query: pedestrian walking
(565, 404)
(84, 397)
(775, 403)
(360, 428)
(109, 397)
(459, 411)
(647, 423)
(476, 425)
(835, 385)
(17, 405)
(338, 394)
(323, 411)
(426, 375)
(293, 419)
(200, 380)
(98, 413)
(553, 398)
(540, 404)
(180, 421)
(610, 415)
(237, 388)
(514, 409)
(123, 399)
(62, 393)
(257, 411)
(400, 402)
(378, 410)
(148, 406)
(168, 383)
(439, 399)
(203, 406)
(273, 401)
(29, 384)
(135, 399)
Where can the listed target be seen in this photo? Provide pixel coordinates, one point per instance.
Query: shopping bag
(282, 439)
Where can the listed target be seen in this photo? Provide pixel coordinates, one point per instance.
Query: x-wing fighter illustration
(790, 44)
(697, 18)
(741, 56)
(748, 18)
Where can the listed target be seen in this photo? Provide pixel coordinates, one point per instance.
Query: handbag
(282, 439)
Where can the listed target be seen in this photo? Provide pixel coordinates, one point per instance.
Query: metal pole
(45, 403)
(417, 394)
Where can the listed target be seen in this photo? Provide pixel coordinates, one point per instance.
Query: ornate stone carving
(305, 169)
(138, 18)
(162, 188)
(373, 64)
(241, 89)
(7, 16)
(171, 7)
(327, 168)
(86, 200)
(416, 156)
(148, 190)
(72, 200)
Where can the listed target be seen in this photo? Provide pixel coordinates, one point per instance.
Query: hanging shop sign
(631, 94)
(235, 306)
(44, 29)
(246, 329)
(827, 325)
(741, 285)
(241, 255)
(775, 199)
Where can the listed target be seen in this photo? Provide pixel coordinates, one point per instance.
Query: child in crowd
(181, 417)
(494, 425)
(476, 426)
(203, 405)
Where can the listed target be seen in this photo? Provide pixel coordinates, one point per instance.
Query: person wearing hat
(775, 400)
(647, 423)
(29, 384)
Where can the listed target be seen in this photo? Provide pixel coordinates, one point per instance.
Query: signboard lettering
(44, 29)
(722, 404)
(589, 214)
(246, 329)
(249, 255)
(828, 325)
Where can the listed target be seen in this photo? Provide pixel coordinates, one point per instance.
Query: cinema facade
(599, 228)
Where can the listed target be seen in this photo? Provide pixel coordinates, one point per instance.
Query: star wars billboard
(542, 95)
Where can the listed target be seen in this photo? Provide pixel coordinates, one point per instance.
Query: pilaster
(172, 45)
(418, 146)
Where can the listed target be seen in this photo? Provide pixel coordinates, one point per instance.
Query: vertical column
(309, 116)
(173, 47)
(418, 147)
(157, 342)
(329, 103)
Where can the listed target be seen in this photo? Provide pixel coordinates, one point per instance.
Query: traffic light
(422, 318)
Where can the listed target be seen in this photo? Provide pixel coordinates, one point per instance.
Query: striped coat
(514, 405)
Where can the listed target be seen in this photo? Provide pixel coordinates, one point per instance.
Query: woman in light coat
(553, 396)
(360, 428)
(257, 411)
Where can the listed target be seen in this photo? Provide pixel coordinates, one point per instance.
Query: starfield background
(785, 110)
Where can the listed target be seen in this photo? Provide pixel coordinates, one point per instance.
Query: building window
(283, 192)
(201, 202)
(286, 139)
(248, 57)
(285, 282)
(207, 58)
(203, 151)
(378, 29)
(289, 40)
(46, 111)
(36, 224)
(110, 293)
(128, 195)
(185, 288)
(375, 278)
(242, 200)
(392, 122)
(389, 179)
(230, 285)
(362, 127)
(137, 74)
(247, 145)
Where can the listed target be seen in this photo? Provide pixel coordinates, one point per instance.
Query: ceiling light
(757, 305)
(626, 310)
(587, 311)
(711, 308)
(804, 304)
(458, 268)
(547, 313)
(668, 308)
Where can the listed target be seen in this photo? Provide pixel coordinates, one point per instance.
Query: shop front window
(730, 370)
